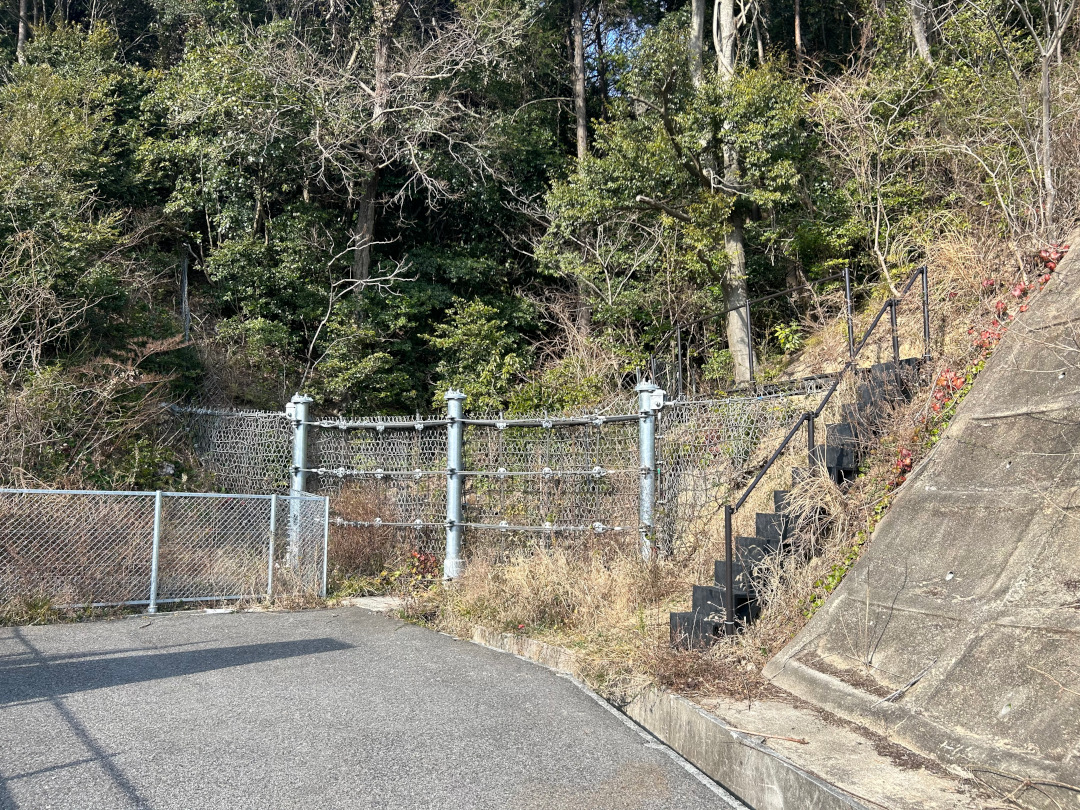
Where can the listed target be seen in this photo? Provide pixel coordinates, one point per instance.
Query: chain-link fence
(386, 478)
(79, 548)
(706, 448)
(573, 481)
(242, 451)
(570, 482)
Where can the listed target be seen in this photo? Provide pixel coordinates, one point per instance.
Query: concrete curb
(759, 776)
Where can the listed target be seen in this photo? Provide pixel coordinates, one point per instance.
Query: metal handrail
(809, 417)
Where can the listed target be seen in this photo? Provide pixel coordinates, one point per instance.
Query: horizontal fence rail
(87, 548)
(632, 482)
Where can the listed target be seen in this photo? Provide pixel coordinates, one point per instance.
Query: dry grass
(612, 610)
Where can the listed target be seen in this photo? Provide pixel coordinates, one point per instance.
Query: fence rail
(643, 480)
(78, 548)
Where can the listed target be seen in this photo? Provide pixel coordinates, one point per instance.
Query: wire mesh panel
(386, 478)
(571, 486)
(300, 545)
(705, 449)
(213, 547)
(72, 548)
(244, 451)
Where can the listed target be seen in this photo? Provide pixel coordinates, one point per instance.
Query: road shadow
(37, 676)
(41, 678)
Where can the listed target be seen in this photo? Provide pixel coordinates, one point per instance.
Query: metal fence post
(926, 313)
(895, 335)
(297, 411)
(455, 463)
(152, 607)
(273, 537)
(729, 576)
(850, 317)
(325, 543)
(650, 401)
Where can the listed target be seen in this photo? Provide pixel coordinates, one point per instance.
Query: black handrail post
(895, 337)
(847, 308)
(749, 342)
(926, 313)
(679, 360)
(811, 459)
(729, 585)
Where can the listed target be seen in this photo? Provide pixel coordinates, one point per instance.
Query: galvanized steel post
(152, 607)
(297, 411)
(270, 555)
(650, 401)
(455, 463)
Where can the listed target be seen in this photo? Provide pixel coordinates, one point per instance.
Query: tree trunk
(386, 14)
(724, 36)
(364, 230)
(734, 280)
(601, 68)
(918, 30)
(760, 41)
(798, 34)
(580, 113)
(24, 33)
(734, 287)
(697, 33)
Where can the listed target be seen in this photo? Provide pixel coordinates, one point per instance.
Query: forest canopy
(227, 202)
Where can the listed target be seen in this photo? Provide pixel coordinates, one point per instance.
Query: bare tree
(402, 98)
(1031, 132)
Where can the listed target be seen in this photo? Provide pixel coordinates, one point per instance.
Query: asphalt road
(313, 709)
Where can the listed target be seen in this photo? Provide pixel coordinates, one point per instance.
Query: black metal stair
(699, 627)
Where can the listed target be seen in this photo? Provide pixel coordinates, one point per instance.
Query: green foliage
(243, 135)
(789, 336)
(481, 355)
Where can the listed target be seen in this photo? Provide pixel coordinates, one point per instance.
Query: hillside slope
(968, 597)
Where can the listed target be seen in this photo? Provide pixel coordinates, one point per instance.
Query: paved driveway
(313, 709)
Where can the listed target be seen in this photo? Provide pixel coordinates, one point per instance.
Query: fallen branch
(798, 740)
(900, 692)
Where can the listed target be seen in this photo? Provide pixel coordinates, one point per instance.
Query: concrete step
(770, 526)
(692, 630)
(752, 550)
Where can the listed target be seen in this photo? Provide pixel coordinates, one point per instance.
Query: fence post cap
(300, 399)
(453, 394)
(645, 385)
